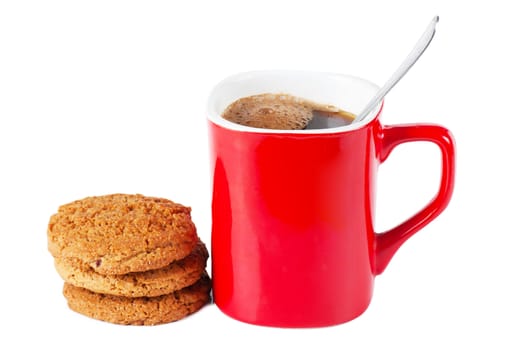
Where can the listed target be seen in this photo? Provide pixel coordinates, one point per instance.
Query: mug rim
(213, 115)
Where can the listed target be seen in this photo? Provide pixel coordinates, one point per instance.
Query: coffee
(285, 112)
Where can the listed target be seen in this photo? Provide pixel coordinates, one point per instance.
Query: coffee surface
(285, 112)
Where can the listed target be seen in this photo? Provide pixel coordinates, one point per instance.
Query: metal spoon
(412, 57)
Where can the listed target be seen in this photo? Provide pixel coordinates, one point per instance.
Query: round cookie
(175, 276)
(139, 311)
(122, 233)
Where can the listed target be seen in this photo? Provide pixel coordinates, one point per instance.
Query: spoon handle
(412, 57)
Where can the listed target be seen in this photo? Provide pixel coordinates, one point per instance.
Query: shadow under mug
(293, 239)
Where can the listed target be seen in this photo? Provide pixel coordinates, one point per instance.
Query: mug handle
(388, 242)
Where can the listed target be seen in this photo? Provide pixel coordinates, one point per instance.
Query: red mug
(293, 239)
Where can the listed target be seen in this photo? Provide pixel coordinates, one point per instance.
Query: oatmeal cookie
(139, 311)
(122, 233)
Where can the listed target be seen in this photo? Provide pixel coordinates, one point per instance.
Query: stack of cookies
(129, 259)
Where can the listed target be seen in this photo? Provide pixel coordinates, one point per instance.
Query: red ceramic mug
(293, 239)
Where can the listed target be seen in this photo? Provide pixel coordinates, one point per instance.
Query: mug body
(292, 211)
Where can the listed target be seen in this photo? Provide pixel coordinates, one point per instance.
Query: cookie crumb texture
(177, 275)
(139, 311)
(122, 233)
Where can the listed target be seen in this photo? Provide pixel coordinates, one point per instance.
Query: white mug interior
(343, 91)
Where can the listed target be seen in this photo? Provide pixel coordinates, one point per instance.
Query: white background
(100, 97)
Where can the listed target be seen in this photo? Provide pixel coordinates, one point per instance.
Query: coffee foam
(271, 111)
